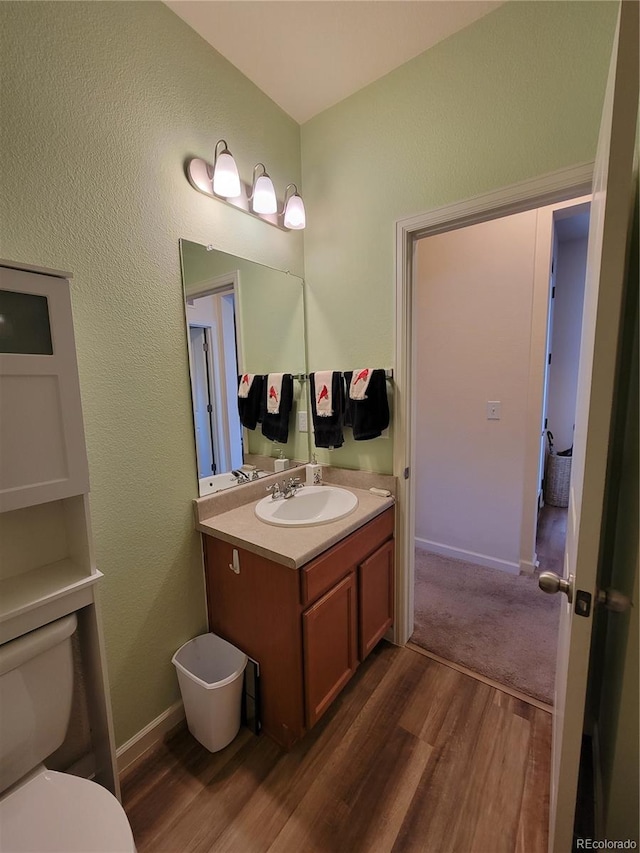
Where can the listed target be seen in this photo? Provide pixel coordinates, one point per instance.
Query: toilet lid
(59, 813)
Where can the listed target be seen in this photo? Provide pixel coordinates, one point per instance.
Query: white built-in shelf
(36, 597)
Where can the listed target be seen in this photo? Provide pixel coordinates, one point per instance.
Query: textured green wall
(515, 95)
(101, 105)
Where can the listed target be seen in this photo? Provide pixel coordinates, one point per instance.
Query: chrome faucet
(276, 491)
(241, 477)
(291, 486)
(287, 489)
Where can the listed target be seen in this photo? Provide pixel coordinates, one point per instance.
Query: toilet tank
(36, 687)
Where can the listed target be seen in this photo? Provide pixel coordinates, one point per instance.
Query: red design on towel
(362, 376)
(272, 393)
(245, 379)
(324, 394)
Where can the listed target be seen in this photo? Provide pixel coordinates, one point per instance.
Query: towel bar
(302, 377)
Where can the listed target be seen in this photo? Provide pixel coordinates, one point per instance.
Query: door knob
(551, 582)
(613, 600)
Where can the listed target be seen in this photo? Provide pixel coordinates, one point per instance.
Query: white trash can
(210, 673)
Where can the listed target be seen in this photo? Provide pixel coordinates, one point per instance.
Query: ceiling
(307, 55)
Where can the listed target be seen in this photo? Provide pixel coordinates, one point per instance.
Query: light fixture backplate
(200, 176)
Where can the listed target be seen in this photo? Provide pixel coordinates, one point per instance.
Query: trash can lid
(210, 661)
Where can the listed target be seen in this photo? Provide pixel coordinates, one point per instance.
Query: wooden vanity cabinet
(307, 628)
(329, 638)
(258, 610)
(375, 596)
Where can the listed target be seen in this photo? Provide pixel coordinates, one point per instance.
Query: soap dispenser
(314, 472)
(281, 463)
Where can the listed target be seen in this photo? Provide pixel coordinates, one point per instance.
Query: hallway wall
(474, 290)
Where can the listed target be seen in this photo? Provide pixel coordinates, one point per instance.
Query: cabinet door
(41, 432)
(375, 597)
(330, 654)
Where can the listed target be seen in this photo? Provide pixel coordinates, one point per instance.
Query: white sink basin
(309, 506)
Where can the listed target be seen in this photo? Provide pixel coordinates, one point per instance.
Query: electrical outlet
(303, 425)
(494, 410)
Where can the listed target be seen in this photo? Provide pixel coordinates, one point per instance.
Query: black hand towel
(276, 427)
(368, 417)
(328, 430)
(250, 407)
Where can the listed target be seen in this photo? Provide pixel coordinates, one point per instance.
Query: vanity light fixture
(293, 213)
(263, 195)
(222, 182)
(226, 180)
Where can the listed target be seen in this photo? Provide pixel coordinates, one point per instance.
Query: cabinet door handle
(235, 564)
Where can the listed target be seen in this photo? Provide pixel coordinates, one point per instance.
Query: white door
(608, 233)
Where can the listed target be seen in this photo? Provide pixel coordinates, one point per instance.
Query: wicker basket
(556, 481)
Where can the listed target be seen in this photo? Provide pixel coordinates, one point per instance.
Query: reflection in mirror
(242, 317)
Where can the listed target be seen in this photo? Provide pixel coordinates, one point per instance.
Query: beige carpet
(499, 625)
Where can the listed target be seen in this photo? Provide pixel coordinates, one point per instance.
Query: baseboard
(468, 556)
(528, 567)
(149, 736)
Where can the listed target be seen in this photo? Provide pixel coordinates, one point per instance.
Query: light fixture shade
(264, 195)
(226, 180)
(294, 215)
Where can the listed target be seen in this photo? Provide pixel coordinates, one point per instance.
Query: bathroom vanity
(309, 604)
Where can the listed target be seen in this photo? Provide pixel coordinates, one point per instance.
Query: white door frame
(548, 189)
(538, 352)
(220, 285)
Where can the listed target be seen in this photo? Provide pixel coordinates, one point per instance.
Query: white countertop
(290, 546)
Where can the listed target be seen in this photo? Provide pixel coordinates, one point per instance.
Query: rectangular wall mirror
(241, 317)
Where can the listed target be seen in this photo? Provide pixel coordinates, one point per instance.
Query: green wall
(515, 95)
(101, 105)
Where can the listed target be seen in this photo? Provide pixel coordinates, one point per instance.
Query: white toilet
(43, 810)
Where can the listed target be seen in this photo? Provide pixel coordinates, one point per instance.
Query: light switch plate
(494, 410)
(303, 424)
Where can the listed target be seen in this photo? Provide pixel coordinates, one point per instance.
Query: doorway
(214, 369)
(566, 300)
(478, 441)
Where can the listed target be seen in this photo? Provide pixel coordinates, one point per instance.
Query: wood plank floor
(413, 756)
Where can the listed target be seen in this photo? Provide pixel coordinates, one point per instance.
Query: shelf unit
(42, 595)
(47, 562)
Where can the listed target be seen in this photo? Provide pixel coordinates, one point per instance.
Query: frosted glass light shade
(264, 196)
(294, 215)
(226, 181)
